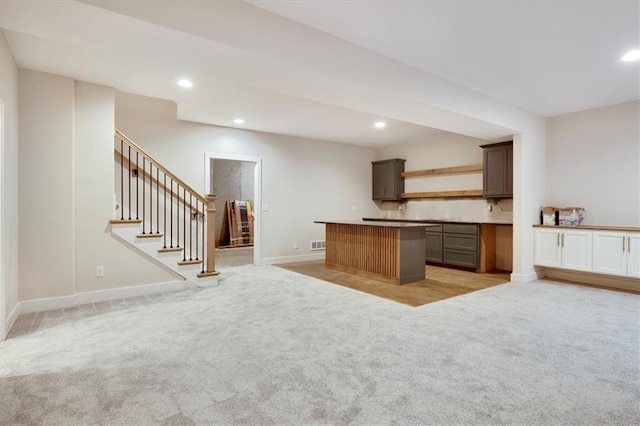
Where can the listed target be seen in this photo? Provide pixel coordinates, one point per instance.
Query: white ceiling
(329, 69)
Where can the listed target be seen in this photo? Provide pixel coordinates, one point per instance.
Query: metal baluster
(144, 192)
(197, 223)
(190, 227)
(171, 207)
(121, 179)
(137, 187)
(157, 200)
(177, 214)
(184, 224)
(165, 210)
(204, 220)
(129, 205)
(150, 197)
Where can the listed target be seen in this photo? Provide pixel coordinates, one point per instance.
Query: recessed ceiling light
(238, 121)
(632, 55)
(185, 83)
(380, 124)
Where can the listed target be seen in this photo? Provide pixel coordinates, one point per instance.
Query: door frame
(3, 281)
(257, 194)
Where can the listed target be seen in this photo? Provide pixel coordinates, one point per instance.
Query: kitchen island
(393, 252)
(475, 246)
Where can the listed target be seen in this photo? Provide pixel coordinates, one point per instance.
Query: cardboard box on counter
(565, 216)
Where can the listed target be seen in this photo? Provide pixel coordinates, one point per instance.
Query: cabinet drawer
(460, 229)
(460, 241)
(434, 228)
(467, 259)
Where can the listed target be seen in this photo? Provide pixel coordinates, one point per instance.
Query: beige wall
(302, 180)
(593, 161)
(66, 192)
(9, 181)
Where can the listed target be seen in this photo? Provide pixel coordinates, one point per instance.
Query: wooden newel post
(211, 235)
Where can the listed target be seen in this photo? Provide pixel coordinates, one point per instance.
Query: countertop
(384, 224)
(593, 227)
(435, 221)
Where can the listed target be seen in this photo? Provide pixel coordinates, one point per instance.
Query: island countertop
(383, 224)
(428, 221)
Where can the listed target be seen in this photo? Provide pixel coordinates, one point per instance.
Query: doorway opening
(236, 180)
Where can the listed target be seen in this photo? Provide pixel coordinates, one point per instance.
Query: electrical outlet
(99, 271)
(295, 245)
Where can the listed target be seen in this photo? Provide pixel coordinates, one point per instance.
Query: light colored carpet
(271, 347)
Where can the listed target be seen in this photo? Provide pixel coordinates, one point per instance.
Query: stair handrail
(208, 204)
(156, 163)
(175, 194)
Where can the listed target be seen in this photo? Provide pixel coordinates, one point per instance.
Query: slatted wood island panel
(387, 251)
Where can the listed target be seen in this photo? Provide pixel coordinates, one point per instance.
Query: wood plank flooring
(440, 284)
(234, 256)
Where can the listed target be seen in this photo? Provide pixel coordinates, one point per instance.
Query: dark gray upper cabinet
(388, 184)
(497, 170)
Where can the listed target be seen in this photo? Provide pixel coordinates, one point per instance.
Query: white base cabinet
(604, 252)
(633, 261)
(616, 253)
(563, 248)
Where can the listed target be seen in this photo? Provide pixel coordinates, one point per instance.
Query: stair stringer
(128, 233)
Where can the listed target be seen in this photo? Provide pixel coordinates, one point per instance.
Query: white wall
(66, 192)
(593, 161)
(46, 185)
(528, 190)
(447, 150)
(9, 179)
(302, 180)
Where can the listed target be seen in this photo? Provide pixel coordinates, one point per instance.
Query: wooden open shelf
(470, 193)
(444, 171)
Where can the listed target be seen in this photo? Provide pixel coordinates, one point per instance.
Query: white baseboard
(289, 259)
(11, 320)
(524, 278)
(124, 292)
(50, 304)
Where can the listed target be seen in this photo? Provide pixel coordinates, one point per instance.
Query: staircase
(162, 217)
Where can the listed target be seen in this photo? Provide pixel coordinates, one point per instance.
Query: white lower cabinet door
(547, 247)
(577, 249)
(633, 255)
(609, 253)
